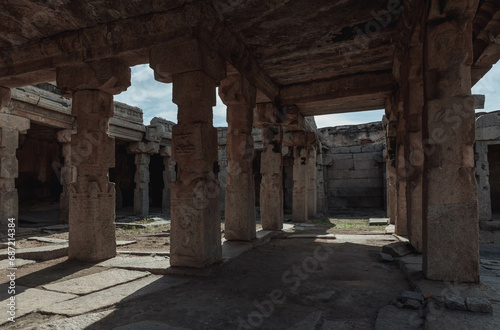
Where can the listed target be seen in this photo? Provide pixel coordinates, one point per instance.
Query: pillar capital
(14, 122)
(185, 55)
(237, 90)
(292, 119)
(111, 76)
(165, 151)
(144, 148)
(265, 115)
(300, 139)
(64, 136)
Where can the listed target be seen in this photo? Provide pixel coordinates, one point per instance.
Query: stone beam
(486, 31)
(131, 40)
(340, 91)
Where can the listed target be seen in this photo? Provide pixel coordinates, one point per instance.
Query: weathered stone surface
(313, 236)
(48, 240)
(271, 187)
(232, 250)
(155, 265)
(384, 257)
(392, 318)
(39, 253)
(378, 221)
(4, 264)
(481, 305)
(407, 295)
(239, 96)
(141, 179)
(300, 185)
(311, 183)
(30, 300)
(412, 304)
(148, 325)
(95, 282)
(399, 249)
(76, 322)
(109, 297)
(454, 302)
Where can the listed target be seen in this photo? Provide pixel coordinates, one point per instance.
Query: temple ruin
(431, 164)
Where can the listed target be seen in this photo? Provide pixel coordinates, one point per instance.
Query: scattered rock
(398, 249)
(481, 305)
(384, 257)
(391, 229)
(454, 302)
(412, 304)
(123, 243)
(378, 221)
(396, 302)
(410, 295)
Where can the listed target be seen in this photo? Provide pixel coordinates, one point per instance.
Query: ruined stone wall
(494, 164)
(354, 166)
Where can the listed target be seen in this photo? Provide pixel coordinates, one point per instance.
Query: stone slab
(154, 265)
(42, 253)
(384, 257)
(232, 250)
(76, 322)
(96, 282)
(4, 264)
(48, 240)
(392, 318)
(30, 300)
(327, 236)
(144, 253)
(124, 243)
(143, 225)
(454, 302)
(479, 305)
(121, 293)
(406, 295)
(391, 229)
(439, 318)
(148, 325)
(378, 221)
(56, 228)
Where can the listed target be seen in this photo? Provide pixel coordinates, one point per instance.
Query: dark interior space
(123, 176)
(257, 176)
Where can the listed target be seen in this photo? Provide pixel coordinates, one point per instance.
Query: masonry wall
(494, 165)
(354, 166)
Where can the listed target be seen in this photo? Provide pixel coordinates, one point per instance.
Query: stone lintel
(13, 122)
(196, 56)
(144, 148)
(299, 138)
(165, 151)
(155, 133)
(111, 76)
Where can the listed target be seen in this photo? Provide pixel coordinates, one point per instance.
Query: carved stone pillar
(91, 195)
(300, 184)
(143, 152)
(166, 153)
(195, 71)
(450, 238)
(271, 187)
(391, 176)
(67, 173)
(239, 97)
(311, 183)
(320, 183)
(401, 226)
(10, 127)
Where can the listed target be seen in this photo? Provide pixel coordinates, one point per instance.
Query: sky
(155, 99)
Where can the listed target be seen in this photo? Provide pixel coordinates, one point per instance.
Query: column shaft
(300, 185)
(311, 183)
(450, 244)
(141, 191)
(167, 181)
(271, 187)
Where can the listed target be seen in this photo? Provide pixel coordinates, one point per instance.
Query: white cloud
(352, 118)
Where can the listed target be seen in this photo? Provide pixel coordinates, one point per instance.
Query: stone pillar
(143, 152)
(311, 183)
(483, 181)
(195, 71)
(414, 153)
(239, 96)
(91, 195)
(300, 185)
(67, 173)
(271, 187)
(450, 228)
(401, 225)
(10, 127)
(166, 153)
(320, 183)
(390, 171)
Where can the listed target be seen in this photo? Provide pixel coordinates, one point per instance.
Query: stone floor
(279, 282)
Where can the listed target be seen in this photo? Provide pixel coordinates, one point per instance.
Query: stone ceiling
(326, 56)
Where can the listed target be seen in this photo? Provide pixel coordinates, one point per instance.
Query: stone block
(345, 164)
(480, 305)
(398, 249)
(410, 295)
(412, 304)
(13, 122)
(384, 257)
(454, 302)
(365, 164)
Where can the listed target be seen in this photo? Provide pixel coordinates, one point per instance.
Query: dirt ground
(343, 290)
